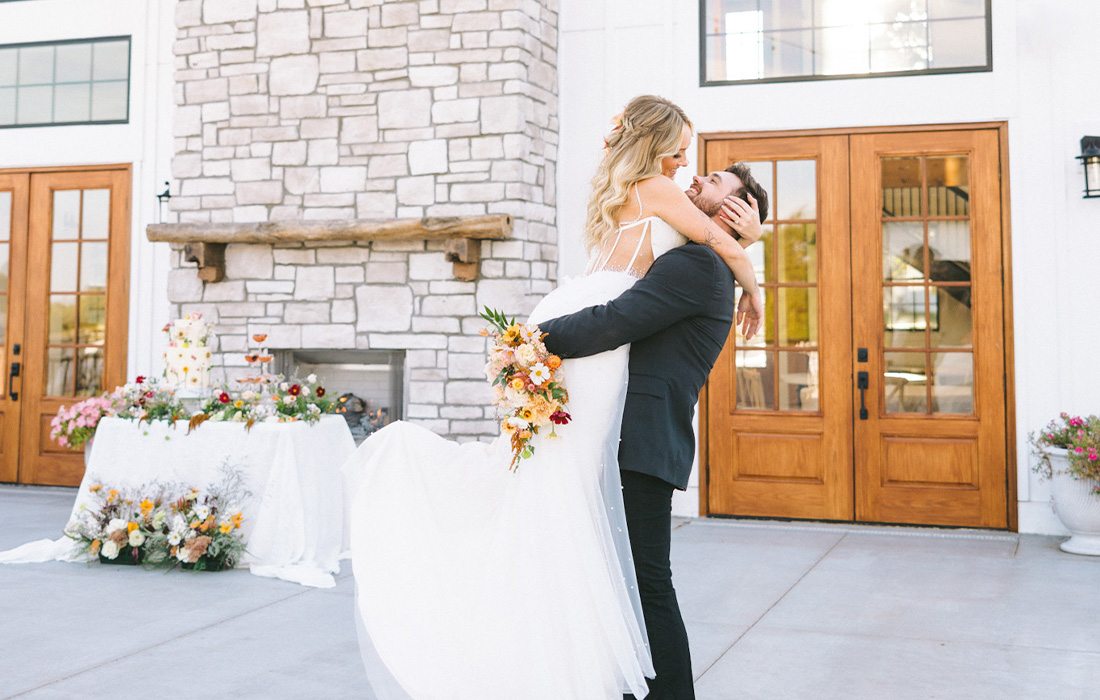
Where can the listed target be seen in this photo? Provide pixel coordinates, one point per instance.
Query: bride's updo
(649, 129)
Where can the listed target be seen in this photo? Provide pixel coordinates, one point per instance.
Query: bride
(476, 582)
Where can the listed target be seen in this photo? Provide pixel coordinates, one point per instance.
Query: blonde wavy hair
(649, 129)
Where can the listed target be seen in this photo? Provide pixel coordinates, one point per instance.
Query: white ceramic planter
(1077, 506)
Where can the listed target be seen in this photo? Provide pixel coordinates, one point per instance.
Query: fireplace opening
(369, 382)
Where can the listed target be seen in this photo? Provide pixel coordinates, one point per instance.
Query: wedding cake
(187, 357)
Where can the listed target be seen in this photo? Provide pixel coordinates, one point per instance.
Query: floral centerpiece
(147, 400)
(1068, 451)
(526, 390)
(162, 525)
(75, 425)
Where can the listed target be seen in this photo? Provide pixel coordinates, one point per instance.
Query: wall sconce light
(1090, 158)
(163, 197)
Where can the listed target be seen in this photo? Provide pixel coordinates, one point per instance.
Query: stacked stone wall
(337, 109)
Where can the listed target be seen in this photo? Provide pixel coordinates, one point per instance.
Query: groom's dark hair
(751, 186)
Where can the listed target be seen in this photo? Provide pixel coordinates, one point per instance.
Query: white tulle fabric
(474, 582)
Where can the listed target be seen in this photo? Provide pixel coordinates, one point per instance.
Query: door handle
(863, 382)
(13, 372)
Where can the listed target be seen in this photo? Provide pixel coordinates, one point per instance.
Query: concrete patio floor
(774, 610)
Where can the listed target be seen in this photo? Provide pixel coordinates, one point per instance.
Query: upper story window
(781, 40)
(65, 82)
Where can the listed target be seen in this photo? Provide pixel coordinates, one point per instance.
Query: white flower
(539, 374)
(159, 519)
(109, 550)
(115, 525)
(174, 538)
(137, 538)
(284, 387)
(289, 400)
(305, 391)
(312, 379)
(202, 512)
(181, 554)
(526, 355)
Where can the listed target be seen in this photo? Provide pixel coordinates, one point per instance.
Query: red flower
(560, 418)
(223, 397)
(320, 391)
(140, 379)
(295, 390)
(148, 394)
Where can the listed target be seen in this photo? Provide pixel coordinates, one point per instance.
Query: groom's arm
(679, 285)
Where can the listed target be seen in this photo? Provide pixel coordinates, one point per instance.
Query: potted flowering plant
(1068, 451)
(74, 426)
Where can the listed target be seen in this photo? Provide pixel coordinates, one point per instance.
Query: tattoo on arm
(711, 239)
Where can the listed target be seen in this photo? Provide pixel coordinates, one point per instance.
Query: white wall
(1043, 84)
(145, 142)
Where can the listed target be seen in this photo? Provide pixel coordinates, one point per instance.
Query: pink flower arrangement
(74, 425)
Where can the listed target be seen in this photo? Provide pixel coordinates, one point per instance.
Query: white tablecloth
(294, 519)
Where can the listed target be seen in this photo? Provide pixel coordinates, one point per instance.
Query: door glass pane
(755, 379)
(63, 267)
(93, 267)
(60, 370)
(902, 250)
(4, 252)
(904, 382)
(953, 382)
(796, 189)
(5, 215)
(762, 255)
(797, 316)
(62, 318)
(797, 253)
(948, 186)
(72, 103)
(66, 214)
(89, 378)
(93, 316)
(97, 214)
(903, 317)
(952, 321)
(3, 323)
(766, 335)
(798, 381)
(949, 251)
(901, 187)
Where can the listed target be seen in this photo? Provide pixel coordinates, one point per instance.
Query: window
(65, 82)
(782, 40)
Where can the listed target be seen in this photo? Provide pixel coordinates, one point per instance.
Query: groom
(678, 318)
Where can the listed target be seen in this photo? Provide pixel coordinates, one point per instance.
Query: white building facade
(473, 108)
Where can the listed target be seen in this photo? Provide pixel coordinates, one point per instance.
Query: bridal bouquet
(526, 391)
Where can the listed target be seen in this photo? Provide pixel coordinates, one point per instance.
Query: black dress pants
(648, 502)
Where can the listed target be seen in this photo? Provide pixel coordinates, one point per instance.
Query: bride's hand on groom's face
(742, 217)
(750, 314)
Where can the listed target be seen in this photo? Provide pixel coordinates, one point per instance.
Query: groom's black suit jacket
(678, 318)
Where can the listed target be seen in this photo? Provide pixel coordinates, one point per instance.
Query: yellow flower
(146, 506)
(226, 527)
(517, 384)
(238, 404)
(112, 494)
(95, 546)
(507, 426)
(131, 526)
(525, 434)
(511, 335)
(526, 414)
(195, 524)
(237, 518)
(95, 488)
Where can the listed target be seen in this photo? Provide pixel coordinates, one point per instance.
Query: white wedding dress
(477, 583)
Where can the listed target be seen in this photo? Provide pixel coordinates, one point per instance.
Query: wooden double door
(877, 391)
(64, 259)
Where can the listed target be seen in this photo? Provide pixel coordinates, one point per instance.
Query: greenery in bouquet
(303, 399)
(1080, 437)
(526, 389)
(122, 525)
(147, 400)
(225, 404)
(205, 527)
(74, 425)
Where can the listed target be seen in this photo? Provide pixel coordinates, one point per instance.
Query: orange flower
(553, 362)
(146, 506)
(131, 526)
(112, 494)
(95, 488)
(95, 546)
(525, 434)
(195, 524)
(237, 518)
(225, 527)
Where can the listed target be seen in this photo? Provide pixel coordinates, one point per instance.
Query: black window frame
(703, 82)
(86, 40)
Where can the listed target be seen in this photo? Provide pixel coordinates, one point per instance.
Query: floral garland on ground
(162, 525)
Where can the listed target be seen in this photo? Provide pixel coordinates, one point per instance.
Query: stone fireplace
(336, 162)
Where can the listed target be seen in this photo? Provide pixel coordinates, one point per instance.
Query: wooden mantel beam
(204, 243)
(492, 227)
